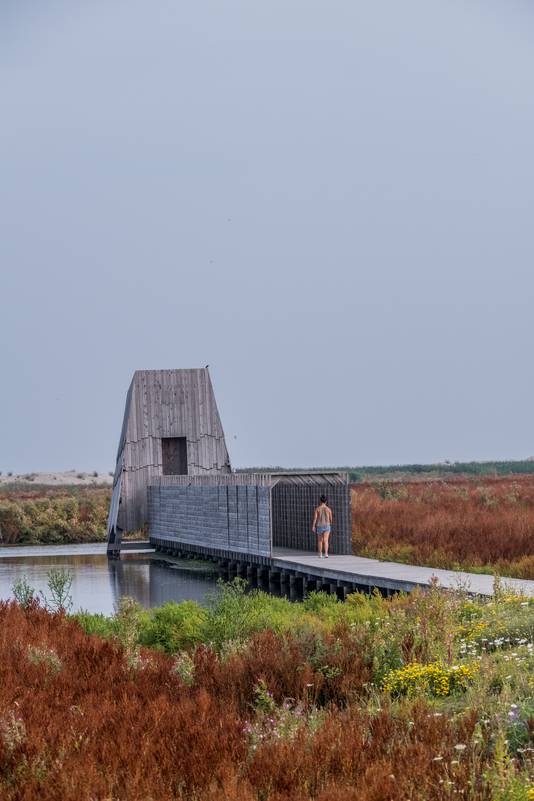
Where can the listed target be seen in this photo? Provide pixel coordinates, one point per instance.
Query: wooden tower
(171, 426)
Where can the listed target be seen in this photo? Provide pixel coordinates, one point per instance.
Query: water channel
(98, 583)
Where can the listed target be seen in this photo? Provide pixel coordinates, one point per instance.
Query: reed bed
(50, 516)
(337, 707)
(483, 524)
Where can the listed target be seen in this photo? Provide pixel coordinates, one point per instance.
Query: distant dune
(58, 479)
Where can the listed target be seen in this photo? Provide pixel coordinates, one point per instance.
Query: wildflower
(12, 731)
(434, 678)
(460, 747)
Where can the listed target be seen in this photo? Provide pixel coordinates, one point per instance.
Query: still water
(98, 583)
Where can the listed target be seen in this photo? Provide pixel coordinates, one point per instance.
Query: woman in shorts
(322, 526)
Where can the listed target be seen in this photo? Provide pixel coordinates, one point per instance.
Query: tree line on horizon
(356, 474)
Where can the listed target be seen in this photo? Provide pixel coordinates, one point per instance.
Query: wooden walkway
(75, 549)
(336, 571)
(390, 576)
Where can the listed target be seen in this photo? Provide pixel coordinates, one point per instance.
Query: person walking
(322, 526)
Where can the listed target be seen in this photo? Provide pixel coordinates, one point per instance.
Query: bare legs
(322, 543)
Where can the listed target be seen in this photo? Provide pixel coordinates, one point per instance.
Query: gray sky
(329, 202)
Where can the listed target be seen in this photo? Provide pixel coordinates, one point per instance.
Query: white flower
(460, 746)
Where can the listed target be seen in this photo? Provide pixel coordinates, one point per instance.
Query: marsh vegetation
(415, 698)
(469, 524)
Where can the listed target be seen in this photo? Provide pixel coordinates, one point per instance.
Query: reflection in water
(134, 581)
(98, 583)
(153, 582)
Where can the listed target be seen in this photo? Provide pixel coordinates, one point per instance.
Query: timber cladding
(247, 512)
(292, 513)
(173, 472)
(169, 413)
(231, 517)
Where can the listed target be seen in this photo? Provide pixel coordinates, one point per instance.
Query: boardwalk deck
(351, 571)
(72, 549)
(391, 576)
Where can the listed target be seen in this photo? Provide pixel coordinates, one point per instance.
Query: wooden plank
(390, 575)
(168, 403)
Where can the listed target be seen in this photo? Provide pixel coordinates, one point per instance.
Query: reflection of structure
(130, 578)
(177, 585)
(173, 472)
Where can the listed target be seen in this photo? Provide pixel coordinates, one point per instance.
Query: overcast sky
(331, 203)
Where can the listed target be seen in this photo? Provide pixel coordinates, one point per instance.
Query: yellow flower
(434, 679)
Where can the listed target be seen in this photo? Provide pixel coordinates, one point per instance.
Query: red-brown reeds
(483, 523)
(80, 721)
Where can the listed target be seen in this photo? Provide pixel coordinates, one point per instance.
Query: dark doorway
(174, 454)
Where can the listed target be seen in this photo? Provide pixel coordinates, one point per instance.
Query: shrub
(184, 667)
(59, 582)
(22, 592)
(128, 621)
(50, 515)
(232, 614)
(98, 624)
(174, 627)
(14, 523)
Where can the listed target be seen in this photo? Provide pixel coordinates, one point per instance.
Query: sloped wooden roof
(160, 404)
